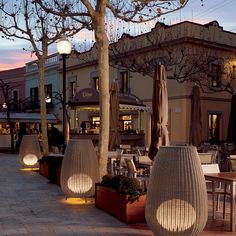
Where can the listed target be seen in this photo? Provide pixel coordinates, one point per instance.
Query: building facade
(14, 79)
(193, 54)
(52, 86)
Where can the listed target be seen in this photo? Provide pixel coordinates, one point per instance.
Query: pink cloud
(14, 59)
(198, 21)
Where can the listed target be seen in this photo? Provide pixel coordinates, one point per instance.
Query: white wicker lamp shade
(30, 151)
(176, 198)
(79, 170)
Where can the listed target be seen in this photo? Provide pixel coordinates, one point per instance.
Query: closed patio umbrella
(159, 132)
(231, 137)
(114, 139)
(195, 123)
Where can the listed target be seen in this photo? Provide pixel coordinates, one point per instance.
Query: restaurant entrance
(131, 111)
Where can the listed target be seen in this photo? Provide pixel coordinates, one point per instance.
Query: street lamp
(64, 49)
(4, 105)
(48, 99)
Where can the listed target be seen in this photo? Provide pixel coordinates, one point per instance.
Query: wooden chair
(206, 158)
(114, 162)
(133, 172)
(232, 162)
(215, 155)
(219, 190)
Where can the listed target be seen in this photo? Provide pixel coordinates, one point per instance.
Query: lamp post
(64, 49)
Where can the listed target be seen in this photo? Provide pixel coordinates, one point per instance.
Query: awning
(88, 99)
(135, 108)
(27, 117)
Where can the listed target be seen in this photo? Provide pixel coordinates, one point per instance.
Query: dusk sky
(12, 55)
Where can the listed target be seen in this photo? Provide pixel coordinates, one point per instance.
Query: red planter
(43, 169)
(119, 206)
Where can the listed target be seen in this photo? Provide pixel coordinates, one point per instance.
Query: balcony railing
(25, 105)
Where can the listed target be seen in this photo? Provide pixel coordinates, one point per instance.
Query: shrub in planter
(121, 197)
(123, 185)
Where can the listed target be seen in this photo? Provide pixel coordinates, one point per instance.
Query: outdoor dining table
(144, 165)
(228, 178)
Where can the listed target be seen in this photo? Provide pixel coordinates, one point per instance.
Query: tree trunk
(103, 62)
(43, 111)
(10, 123)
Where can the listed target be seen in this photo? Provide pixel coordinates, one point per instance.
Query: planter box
(43, 169)
(119, 206)
(50, 167)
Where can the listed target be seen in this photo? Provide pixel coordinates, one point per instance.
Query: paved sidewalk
(31, 206)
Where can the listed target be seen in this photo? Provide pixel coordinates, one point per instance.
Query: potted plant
(121, 197)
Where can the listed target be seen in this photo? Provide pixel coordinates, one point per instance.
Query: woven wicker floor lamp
(30, 151)
(79, 170)
(176, 198)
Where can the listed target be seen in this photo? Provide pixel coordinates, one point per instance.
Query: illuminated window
(126, 122)
(72, 89)
(124, 82)
(95, 122)
(96, 83)
(214, 126)
(215, 75)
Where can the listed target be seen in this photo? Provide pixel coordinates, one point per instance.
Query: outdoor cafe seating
(119, 160)
(139, 173)
(207, 158)
(219, 189)
(232, 162)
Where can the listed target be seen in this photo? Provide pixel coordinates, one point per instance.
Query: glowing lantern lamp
(79, 170)
(177, 197)
(30, 151)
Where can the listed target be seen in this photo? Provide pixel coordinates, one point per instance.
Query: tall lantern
(177, 198)
(79, 171)
(30, 151)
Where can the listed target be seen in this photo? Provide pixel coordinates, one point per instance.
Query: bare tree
(6, 88)
(185, 61)
(26, 20)
(127, 10)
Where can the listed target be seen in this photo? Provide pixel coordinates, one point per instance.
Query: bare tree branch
(26, 20)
